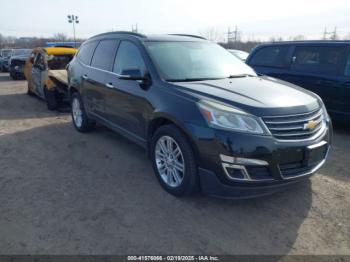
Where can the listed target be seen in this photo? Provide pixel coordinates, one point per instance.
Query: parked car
(4, 59)
(322, 67)
(206, 119)
(17, 63)
(239, 54)
(46, 73)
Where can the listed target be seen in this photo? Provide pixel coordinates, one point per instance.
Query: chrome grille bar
(293, 127)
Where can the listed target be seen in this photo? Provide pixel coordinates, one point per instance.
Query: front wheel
(174, 161)
(80, 119)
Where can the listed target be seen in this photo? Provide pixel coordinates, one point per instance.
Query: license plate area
(315, 153)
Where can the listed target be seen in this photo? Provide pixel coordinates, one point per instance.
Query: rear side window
(317, 59)
(273, 56)
(128, 57)
(86, 51)
(347, 66)
(104, 55)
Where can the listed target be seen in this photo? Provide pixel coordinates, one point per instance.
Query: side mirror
(132, 74)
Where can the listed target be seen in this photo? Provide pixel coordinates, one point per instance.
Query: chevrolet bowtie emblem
(310, 125)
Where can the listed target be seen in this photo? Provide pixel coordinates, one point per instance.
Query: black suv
(322, 67)
(206, 119)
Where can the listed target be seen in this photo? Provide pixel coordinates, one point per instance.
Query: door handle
(85, 76)
(109, 85)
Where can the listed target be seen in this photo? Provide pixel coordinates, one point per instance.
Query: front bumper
(265, 164)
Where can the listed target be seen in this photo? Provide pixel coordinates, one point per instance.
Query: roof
(174, 37)
(160, 37)
(58, 50)
(307, 42)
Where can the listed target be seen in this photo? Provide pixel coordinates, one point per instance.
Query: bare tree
(212, 34)
(276, 39)
(60, 37)
(298, 38)
(2, 41)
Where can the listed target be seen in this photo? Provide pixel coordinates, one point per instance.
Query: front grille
(295, 169)
(259, 172)
(292, 127)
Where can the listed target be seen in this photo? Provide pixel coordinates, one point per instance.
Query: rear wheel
(174, 161)
(52, 99)
(80, 119)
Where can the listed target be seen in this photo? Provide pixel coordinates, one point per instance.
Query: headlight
(225, 117)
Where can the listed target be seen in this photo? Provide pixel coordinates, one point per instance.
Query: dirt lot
(63, 192)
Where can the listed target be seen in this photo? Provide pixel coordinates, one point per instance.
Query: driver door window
(128, 57)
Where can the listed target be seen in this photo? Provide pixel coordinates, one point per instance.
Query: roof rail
(195, 36)
(121, 32)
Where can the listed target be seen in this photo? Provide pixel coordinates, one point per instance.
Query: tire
(189, 182)
(51, 98)
(84, 124)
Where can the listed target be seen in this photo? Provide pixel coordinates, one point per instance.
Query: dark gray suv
(207, 120)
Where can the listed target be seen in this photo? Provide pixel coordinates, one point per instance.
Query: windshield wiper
(190, 79)
(240, 75)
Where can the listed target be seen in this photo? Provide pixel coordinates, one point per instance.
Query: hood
(257, 95)
(59, 75)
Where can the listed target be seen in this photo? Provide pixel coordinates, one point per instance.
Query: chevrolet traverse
(207, 120)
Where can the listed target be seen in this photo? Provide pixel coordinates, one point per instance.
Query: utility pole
(334, 35)
(134, 28)
(73, 19)
(331, 35)
(325, 33)
(233, 36)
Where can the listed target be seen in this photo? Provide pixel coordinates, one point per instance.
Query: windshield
(187, 61)
(21, 51)
(58, 62)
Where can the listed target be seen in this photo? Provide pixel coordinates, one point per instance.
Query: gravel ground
(63, 192)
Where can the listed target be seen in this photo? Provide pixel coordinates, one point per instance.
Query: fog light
(236, 172)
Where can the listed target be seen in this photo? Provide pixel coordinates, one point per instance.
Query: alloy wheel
(170, 161)
(77, 112)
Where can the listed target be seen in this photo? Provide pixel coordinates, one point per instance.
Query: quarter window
(317, 59)
(128, 57)
(272, 56)
(104, 54)
(86, 51)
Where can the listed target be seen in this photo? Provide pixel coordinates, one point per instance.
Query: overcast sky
(256, 19)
